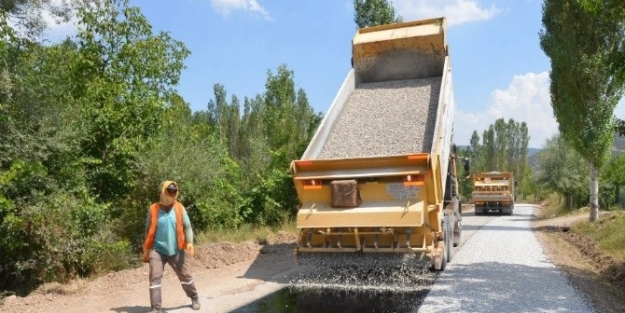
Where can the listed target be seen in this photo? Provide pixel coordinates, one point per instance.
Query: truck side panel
(323, 131)
(444, 127)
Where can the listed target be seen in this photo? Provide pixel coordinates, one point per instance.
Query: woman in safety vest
(169, 239)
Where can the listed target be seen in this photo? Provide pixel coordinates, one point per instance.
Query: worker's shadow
(131, 309)
(141, 309)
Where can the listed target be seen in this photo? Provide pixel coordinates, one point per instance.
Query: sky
(499, 70)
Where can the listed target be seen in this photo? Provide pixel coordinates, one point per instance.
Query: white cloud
(225, 7)
(58, 29)
(457, 11)
(525, 100)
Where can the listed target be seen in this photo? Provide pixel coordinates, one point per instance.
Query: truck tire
(457, 230)
(449, 241)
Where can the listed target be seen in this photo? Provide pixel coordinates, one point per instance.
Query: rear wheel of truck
(479, 211)
(457, 234)
(449, 242)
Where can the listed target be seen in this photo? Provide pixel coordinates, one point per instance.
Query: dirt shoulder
(591, 271)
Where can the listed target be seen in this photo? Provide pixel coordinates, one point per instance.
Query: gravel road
(502, 268)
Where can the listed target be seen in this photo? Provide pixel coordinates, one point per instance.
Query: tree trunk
(594, 192)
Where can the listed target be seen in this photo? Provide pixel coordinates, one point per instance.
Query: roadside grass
(555, 205)
(608, 232)
(245, 233)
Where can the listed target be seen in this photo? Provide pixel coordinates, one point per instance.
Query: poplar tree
(584, 41)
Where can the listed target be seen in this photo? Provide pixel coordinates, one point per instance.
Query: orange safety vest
(149, 239)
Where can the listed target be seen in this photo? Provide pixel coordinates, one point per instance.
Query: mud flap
(439, 256)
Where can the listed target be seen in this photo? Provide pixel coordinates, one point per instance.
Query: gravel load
(385, 118)
(361, 271)
(502, 268)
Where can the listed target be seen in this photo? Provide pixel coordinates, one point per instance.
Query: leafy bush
(60, 236)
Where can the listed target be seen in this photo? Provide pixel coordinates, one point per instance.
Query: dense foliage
(90, 126)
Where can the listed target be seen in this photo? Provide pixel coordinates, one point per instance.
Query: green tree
(562, 169)
(476, 153)
(614, 173)
(490, 149)
(124, 78)
(369, 13)
(583, 40)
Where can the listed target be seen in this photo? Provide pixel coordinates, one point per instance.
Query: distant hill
(532, 158)
(532, 151)
(618, 147)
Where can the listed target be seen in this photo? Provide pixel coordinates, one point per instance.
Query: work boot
(195, 303)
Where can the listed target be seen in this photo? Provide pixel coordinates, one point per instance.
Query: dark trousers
(157, 265)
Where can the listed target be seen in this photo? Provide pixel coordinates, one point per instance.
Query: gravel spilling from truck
(361, 271)
(368, 126)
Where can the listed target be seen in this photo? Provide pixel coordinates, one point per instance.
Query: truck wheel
(479, 211)
(449, 242)
(457, 232)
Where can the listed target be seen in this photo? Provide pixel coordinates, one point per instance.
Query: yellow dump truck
(379, 175)
(493, 191)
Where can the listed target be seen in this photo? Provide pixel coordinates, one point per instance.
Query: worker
(169, 239)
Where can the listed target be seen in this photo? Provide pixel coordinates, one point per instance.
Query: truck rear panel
(493, 191)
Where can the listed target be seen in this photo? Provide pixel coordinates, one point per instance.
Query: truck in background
(494, 191)
(379, 175)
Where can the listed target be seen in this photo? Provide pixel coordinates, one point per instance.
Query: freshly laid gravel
(385, 118)
(502, 268)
